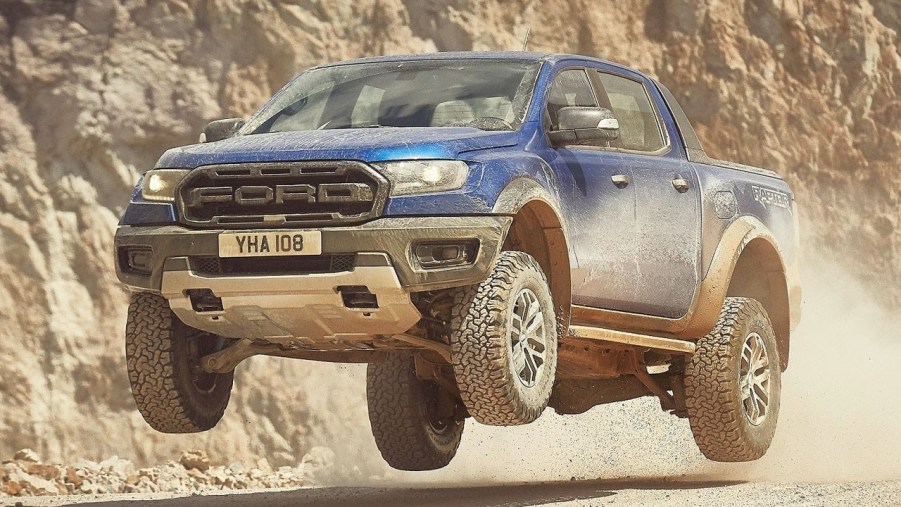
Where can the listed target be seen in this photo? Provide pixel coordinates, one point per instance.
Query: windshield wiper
(325, 126)
(487, 123)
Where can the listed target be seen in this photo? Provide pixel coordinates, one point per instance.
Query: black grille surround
(281, 194)
(295, 265)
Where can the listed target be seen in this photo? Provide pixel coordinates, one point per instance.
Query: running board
(636, 340)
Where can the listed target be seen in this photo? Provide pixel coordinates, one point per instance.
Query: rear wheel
(733, 384)
(163, 356)
(504, 342)
(412, 419)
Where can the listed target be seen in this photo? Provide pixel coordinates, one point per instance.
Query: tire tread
(399, 427)
(479, 344)
(717, 421)
(159, 387)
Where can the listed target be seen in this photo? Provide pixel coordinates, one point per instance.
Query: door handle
(621, 180)
(680, 184)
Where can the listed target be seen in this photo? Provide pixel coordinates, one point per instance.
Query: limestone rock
(195, 459)
(27, 455)
(94, 91)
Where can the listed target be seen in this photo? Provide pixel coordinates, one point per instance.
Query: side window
(569, 88)
(639, 126)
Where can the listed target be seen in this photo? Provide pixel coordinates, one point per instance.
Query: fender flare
(525, 197)
(519, 192)
(713, 289)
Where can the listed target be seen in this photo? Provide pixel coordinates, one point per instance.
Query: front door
(600, 204)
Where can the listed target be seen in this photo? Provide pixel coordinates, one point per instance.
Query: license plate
(269, 244)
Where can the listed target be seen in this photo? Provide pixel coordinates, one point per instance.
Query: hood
(367, 145)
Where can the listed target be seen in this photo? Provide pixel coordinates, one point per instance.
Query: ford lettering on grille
(276, 194)
(281, 194)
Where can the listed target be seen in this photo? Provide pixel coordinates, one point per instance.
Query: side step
(632, 339)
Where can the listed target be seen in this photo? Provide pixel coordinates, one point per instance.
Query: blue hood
(367, 145)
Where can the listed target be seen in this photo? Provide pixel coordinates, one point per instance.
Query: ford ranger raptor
(492, 233)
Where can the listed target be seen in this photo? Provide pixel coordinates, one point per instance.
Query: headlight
(423, 176)
(159, 184)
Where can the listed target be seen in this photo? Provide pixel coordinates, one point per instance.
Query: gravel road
(645, 492)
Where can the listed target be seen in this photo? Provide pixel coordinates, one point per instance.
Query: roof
(477, 55)
(448, 55)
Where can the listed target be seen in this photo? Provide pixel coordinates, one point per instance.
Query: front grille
(208, 265)
(289, 194)
(294, 265)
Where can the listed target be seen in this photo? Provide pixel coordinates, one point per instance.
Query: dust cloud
(840, 420)
(841, 405)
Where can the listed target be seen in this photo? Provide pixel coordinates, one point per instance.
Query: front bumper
(392, 236)
(265, 306)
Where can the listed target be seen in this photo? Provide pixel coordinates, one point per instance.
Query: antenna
(525, 41)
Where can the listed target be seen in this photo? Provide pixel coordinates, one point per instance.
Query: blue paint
(367, 145)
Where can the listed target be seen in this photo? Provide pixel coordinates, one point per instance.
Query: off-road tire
(170, 391)
(482, 348)
(721, 426)
(402, 413)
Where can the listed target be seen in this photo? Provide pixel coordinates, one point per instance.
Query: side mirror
(584, 125)
(221, 129)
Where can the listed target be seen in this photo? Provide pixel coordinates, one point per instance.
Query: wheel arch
(539, 231)
(759, 273)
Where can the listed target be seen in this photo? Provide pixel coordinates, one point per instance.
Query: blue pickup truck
(493, 233)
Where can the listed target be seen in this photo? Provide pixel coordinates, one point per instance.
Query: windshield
(485, 94)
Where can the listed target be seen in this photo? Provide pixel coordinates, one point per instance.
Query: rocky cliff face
(93, 91)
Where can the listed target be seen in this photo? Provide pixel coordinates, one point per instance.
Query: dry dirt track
(639, 492)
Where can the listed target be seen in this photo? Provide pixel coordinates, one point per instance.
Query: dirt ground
(647, 492)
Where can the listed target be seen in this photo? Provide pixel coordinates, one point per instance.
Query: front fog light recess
(441, 255)
(137, 259)
(159, 184)
(424, 176)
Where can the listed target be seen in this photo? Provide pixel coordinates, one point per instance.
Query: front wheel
(733, 384)
(163, 358)
(504, 342)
